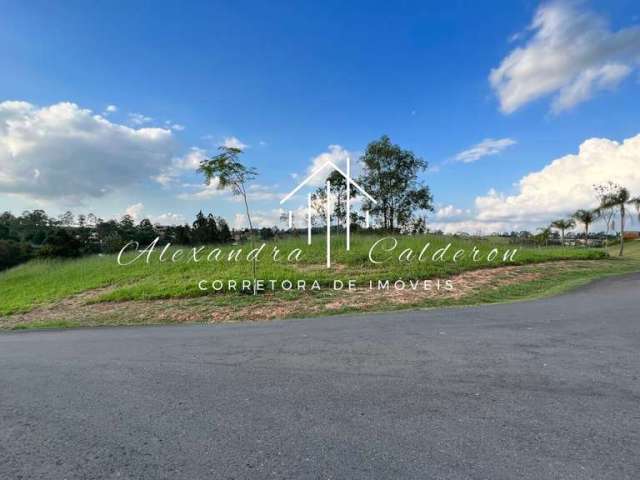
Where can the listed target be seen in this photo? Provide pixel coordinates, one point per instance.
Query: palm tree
(619, 199)
(230, 173)
(586, 217)
(543, 236)
(563, 225)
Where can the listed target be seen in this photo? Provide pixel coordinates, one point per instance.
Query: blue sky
(289, 79)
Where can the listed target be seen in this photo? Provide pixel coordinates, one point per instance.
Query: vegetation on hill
(46, 280)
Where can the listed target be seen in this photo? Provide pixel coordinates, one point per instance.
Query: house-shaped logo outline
(350, 181)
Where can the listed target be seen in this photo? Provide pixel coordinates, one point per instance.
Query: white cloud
(233, 142)
(139, 119)
(488, 146)
(259, 219)
(258, 192)
(475, 227)
(64, 152)
(204, 192)
(179, 165)
(174, 126)
(450, 212)
(111, 109)
(566, 184)
(135, 211)
(338, 155)
(571, 53)
(255, 192)
(169, 219)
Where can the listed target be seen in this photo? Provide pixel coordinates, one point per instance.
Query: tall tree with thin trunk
(586, 217)
(563, 225)
(607, 214)
(619, 199)
(229, 172)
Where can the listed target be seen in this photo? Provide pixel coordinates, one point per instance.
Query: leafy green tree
(66, 219)
(230, 173)
(127, 228)
(212, 229)
(266, 233)
(391, 177)
(199, 228)
(61, 243)
(182, 234)
(146, 232)
(13, 253)
(224, 233)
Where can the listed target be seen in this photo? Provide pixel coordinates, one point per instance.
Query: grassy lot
(42, 282)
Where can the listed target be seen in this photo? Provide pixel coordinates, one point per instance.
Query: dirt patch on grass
(81, 309)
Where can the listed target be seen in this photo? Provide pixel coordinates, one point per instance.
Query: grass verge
(96, 291)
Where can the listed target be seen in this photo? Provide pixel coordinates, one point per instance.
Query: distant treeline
(36, 234)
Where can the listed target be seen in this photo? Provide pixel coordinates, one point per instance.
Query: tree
(199, 229)
(182, 234)
(127, 228)
(391, 177)
(224, 234)
(13, 253)
(586, 217)
(607, 213)
(66, 219)
(230, 173)
(212, 229)
(61, 243)
(146, 232)
(339, 197)
(619, 199)
(563, 225)
(543, 236)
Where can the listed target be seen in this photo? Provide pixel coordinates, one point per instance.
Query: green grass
(44, 281)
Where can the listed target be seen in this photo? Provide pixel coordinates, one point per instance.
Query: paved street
(546, 389)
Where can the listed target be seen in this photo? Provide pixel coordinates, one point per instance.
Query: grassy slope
(556, 281)
(42, 282)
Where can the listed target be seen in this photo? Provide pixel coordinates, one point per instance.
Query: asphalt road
(539, 390)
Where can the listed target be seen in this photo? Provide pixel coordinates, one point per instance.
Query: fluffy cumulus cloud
(449, 212)
(338, 155)
(488, 146)
(135, 211)
(64, 152)
(566, 184)
(234, 142)
(570, 53)
(180, 165)
(557, 190)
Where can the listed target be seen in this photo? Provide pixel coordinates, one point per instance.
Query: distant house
(631, 235)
